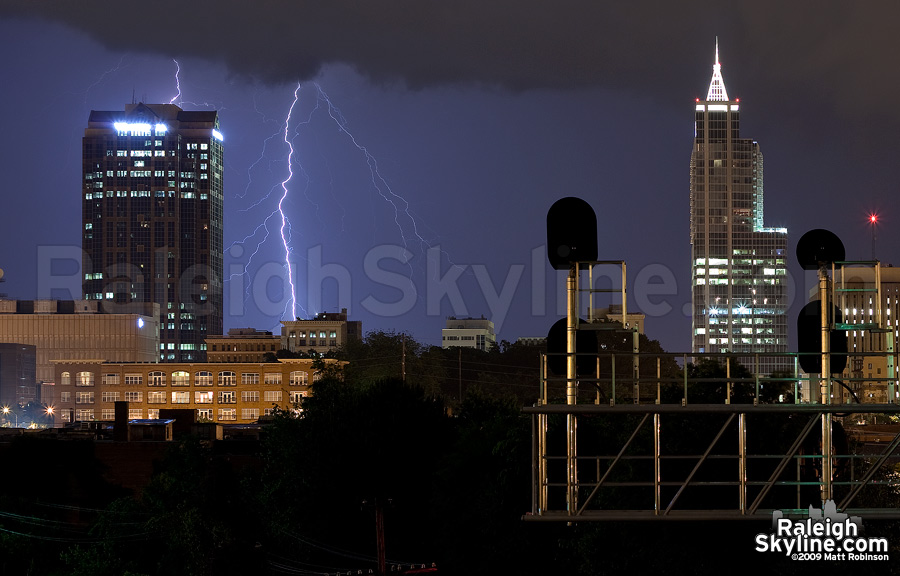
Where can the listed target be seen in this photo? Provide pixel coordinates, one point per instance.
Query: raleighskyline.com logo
(825, 535)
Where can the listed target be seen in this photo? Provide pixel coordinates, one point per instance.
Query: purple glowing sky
(450, 135)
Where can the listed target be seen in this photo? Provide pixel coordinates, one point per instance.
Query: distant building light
(135, 129)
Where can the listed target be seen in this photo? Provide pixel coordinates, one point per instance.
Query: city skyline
(478, 154)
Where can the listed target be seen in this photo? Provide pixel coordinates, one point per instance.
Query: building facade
(79, 329)
(613, 314)
(242, 345)
(17, 375)
(324, 332)
(738, 266)
(152, 189)
(226, 393)
(475, 333)
(869, 300)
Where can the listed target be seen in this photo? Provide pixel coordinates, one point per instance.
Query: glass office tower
(738, 267)
(152, 191)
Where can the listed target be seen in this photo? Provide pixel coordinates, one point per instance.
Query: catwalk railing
(704, 438)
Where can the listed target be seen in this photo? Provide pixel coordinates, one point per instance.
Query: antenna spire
(717, 91)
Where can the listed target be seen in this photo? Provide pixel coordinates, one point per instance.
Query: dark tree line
(450, 472)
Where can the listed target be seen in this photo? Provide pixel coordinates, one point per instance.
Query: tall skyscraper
(152, 219)
(738, 268)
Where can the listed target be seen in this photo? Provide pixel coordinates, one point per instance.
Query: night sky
(453, 128)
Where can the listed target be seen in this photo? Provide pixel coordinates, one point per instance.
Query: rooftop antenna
(873, 220)
(717, 91)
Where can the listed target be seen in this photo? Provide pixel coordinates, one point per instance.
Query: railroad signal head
(809, 340)
(571, 233)
(819, 248)
(585, 347)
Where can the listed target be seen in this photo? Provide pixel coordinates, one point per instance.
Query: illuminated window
(181, 378)
(226, 414)
(134, 396)
(84, 379)
(250, 396)
(249, 413)
(156, 379)
(227, 379)
(203, 397)
(250, 378)
(273, 378)
(155, 397)
(203, 378)
(181, 397)
(65, 379)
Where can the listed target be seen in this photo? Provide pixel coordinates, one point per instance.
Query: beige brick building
(325, 332)
(242, 345)
(80, 329)
(219, 392)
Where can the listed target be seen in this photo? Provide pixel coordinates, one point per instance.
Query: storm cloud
(513, 44)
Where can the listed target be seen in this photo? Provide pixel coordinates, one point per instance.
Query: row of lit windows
(200, 397)
(766, 341)
(203, 414)
(312, 334)
(182, 378)
(244, 347)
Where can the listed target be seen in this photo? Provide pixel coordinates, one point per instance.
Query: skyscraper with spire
(738, 267)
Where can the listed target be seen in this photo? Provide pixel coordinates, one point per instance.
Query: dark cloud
(517, 44)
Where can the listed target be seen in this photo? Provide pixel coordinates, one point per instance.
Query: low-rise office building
(242, 345)
(218, 392)
(475, 333)
(80, 329)
(322, 333)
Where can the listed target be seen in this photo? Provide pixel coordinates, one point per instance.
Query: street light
(6, 413)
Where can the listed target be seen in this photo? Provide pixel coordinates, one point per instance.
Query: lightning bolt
(99, 80)
(399, 204)
(285, 223)
(289, 129)
(278, 213)
(177, 81)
